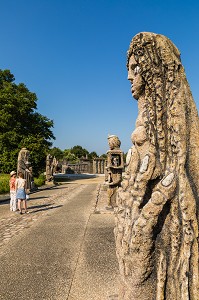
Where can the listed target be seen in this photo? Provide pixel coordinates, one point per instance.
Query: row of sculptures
(51, 165)
(157, 202)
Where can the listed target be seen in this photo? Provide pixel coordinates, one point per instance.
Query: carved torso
(157, 215)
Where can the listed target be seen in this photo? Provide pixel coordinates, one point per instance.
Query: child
(12, 183)
(21, 194)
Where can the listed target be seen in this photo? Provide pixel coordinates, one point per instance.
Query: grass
(4, 182)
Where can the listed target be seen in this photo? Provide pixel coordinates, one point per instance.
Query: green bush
(40, 180)
(4, 183)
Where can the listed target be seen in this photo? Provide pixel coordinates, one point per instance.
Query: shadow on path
(45, 208)
(4, 201)
(56, 188)
(33, 199)
(39, 206)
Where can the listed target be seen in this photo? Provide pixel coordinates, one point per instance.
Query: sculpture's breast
(139, 135)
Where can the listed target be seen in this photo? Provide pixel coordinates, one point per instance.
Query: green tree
(70, 157)
(58, 153)
(92, 155)
(79, 151)
(103, 156)
(21, 125)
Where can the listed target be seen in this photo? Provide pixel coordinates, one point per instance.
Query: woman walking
(21, 193)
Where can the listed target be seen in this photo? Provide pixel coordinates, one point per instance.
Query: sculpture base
(49, 183)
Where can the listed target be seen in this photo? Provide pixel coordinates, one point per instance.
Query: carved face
(137, 83)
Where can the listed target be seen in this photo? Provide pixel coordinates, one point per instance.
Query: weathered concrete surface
(96, 276)
(61, 250)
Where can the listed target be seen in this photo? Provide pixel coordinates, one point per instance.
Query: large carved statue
(158, 204)
(24, 166)
(49, 168)
(115, 165)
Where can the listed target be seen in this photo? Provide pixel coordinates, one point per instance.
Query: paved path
(63, 250)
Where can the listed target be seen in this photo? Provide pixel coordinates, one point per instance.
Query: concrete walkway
(63, 250)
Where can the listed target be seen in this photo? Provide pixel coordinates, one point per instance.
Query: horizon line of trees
(74, 154)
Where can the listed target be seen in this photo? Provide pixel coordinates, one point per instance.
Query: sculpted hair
(157, 218)
(167, 93)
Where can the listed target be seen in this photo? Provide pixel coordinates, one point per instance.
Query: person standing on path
(12, 184)
(21, 193)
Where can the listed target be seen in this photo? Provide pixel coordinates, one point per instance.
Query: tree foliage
(103, 156)
(92, 155)
(70, 157)
(21, 125)
(74, 154)
(79, 151)
(56, 152)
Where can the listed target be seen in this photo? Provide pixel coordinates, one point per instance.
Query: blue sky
(72, 54)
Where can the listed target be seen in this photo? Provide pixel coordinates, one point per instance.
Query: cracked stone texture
(157, 216)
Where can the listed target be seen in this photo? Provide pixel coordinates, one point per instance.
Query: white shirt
(20, 183)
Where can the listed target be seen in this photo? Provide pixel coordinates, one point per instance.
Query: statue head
(24, 154)
(113, 142)
(155, 54)
(157, 75)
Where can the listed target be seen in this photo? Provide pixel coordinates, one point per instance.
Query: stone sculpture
(24, 166)
(54, 165)
(49, 168)
(115, 165)
(158, 204)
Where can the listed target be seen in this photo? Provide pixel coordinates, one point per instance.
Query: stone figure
(115, 165)
(49, 168)
(54, 165)
(158, 204)
(24, 166)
